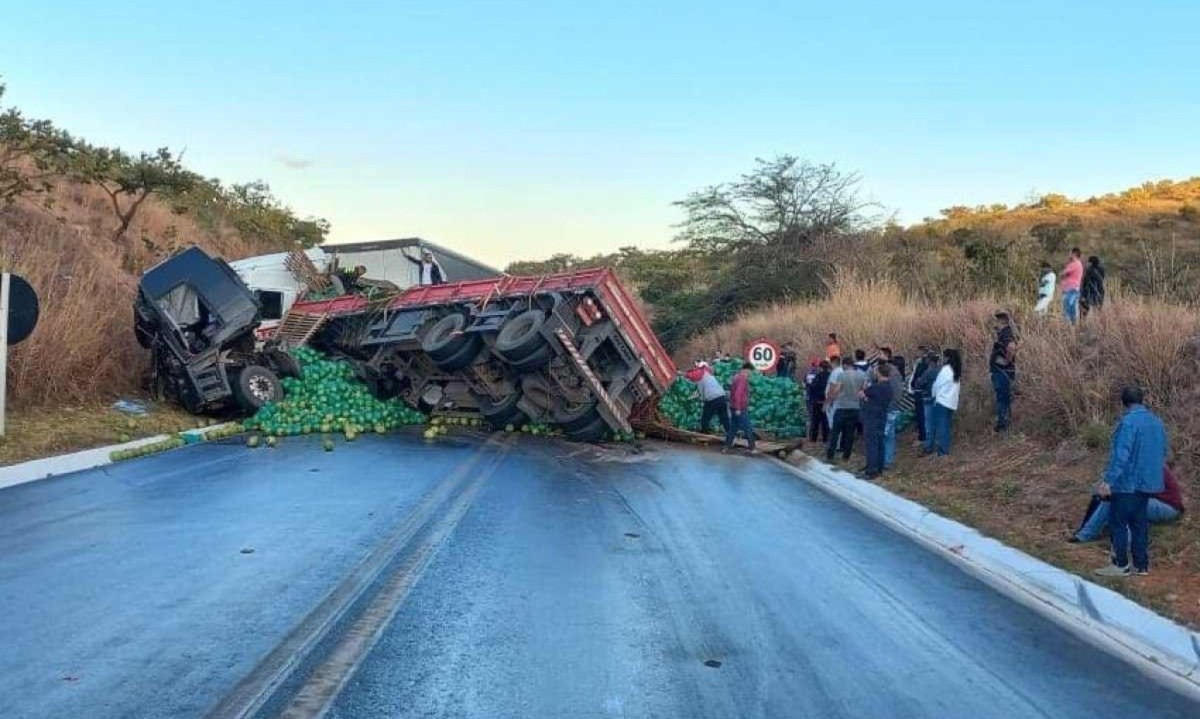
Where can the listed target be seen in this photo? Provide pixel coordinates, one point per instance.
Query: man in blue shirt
(1134, 472)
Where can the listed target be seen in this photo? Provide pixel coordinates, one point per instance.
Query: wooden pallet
(296, 330)
(659, 429)
(302, 268)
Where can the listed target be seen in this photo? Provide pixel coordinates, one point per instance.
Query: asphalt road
(508, 577)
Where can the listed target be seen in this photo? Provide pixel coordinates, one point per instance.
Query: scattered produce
(776, 403)
(147, 449)
(329, 398)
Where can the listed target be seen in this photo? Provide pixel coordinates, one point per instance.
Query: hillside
(1148, 236)
(83, 349)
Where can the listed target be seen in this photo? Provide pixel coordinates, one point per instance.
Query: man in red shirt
(1165, 506)
(739, 408)
(1072, 277)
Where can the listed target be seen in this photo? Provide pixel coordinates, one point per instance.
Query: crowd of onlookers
(852, 393)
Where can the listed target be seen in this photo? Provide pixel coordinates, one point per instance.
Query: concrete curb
(1155, 644)
(46, 467)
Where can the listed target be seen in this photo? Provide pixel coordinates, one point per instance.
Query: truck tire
(572, 418)
(256, 386)
(538, 392)
(535, 361)
(445, 339)
(503, 413)
(594, 431)
(521, 336)
(461, 359)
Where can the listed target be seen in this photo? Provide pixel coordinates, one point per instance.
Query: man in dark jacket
(1091, 294)
(923, 388)
(1134, 473)
(876, 400)
(818, 420)
(918, 398)
(786, 367)
(429, 270)
(1002, 364)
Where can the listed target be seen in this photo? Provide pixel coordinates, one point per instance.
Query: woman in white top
(945, 402)
(1046, 289)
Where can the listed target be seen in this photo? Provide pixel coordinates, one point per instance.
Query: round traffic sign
(763, 354)
(22, 309)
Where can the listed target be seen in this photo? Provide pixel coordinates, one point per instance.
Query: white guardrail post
(3, 346)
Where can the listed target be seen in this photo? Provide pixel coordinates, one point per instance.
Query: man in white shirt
(429, 270)
(1046, 289)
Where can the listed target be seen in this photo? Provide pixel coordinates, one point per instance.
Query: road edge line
(60, 464)
(1157, 646)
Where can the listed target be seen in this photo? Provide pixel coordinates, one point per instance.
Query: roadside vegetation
(81, 222)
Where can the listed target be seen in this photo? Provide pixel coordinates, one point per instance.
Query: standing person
(818, 420)
(896, 379)
(945, 402)
(846, 404)
(712, 394)
(739, 407)
(833, 350)
(860, 361)
(924, 386)
(1072, 278)
(831, 387)
(786, 367)
(1002, 363)
(1091, 295)
(918, 397)
(876, 400)
(429, 270)
(1134, 473)
(1045, 289)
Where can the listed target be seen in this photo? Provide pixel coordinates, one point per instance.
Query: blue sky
(519, 129)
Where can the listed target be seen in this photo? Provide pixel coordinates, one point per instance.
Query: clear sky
(518, 129)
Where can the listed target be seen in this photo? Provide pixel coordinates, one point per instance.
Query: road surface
(504, 577)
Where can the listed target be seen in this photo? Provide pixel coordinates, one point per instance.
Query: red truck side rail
(617, 301)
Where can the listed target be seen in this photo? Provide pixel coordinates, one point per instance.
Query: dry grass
(1027, 488)
(44, 431)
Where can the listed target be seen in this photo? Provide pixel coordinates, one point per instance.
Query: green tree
(130, 181)
(32, 154)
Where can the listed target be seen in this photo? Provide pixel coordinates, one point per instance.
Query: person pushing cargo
(712, 394)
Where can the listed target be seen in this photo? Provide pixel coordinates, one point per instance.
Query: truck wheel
(503, 413)
(591, 432)
(521, 336)
(538, 392)
(256, 386)
(445, 339)
(535, 361)
(577, 417)
(461, 359)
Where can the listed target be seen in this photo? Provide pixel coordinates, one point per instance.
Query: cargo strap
(590, 377)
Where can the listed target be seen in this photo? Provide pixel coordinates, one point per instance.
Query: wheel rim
(261, 389)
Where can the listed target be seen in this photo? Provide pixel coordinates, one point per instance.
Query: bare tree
(784, 203)
(130, 181)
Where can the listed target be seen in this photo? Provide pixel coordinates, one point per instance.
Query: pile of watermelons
(776, 403)
(329, 398)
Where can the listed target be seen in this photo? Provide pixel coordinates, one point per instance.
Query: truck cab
(198, 319)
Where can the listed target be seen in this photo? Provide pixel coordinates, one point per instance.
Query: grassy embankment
(83, 356)
(1029, 487)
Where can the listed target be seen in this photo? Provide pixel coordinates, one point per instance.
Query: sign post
(763, 354)
(4, 282)
(18, 317)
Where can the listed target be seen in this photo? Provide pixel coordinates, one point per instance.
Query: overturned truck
(572, 350)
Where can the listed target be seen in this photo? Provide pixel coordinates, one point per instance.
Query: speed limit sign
(763, 354)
